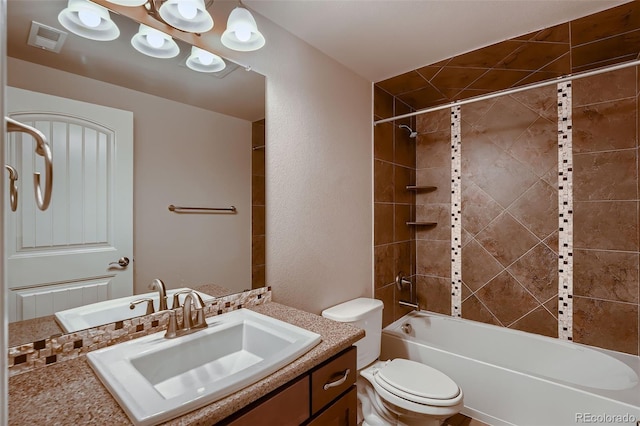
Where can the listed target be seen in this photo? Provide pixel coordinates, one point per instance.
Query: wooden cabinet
(324, 396)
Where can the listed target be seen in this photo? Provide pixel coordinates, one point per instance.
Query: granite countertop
(70, 393)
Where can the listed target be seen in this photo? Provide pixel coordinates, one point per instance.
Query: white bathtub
(514, 378)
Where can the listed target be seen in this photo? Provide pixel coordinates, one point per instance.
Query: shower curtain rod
(569, 77)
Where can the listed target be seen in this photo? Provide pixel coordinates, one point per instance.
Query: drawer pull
(338, 382)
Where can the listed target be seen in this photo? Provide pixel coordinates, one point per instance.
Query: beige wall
(184, 156)
(319, 173)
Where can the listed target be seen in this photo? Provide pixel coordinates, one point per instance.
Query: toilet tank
(366, 314)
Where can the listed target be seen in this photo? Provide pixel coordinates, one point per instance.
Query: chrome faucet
(159, 286)
(189, 325)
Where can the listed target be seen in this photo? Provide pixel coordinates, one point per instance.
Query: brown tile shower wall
(257, 205)
(510, 211)
(433, 243)
(605, 190)
(394, 169)
(510, 199)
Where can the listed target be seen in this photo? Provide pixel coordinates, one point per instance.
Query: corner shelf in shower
(421, 188)
(422, 223)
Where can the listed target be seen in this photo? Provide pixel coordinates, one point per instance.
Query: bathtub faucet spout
(409, 304)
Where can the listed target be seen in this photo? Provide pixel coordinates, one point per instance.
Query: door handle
(122, 262)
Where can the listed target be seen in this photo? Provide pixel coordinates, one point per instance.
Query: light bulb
(187, 9)
(243, 32)
(155, 40)
(89, 18)
(205, 57)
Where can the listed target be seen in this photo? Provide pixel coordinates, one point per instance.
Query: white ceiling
(379, 39)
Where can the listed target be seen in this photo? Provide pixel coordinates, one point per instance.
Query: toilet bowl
(399, 391)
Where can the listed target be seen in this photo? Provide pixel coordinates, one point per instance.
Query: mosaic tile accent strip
(565, 213)
(456, 214)
(64, 347)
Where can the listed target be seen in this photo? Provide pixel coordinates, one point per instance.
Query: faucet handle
(176, 298)
(172, 327)
(149, 301)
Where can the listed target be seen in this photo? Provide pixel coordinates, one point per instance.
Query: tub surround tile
(383, 182)
(383, 219)
(386, 294)
(505, 121)
(609, 325)
(607, 275)
(605, 126)
(434, 294)
(404, 176)
(506, 239)
(439, 213)
(384, 259)
(606, 225)
(537, 147)
(473, 309)
(552, 241)
(537, 271)
(499, 296)
(440, 177)
(541, 100)
(383, 103)
(433, 258)
(402, 215)
(478, 208)
(538, 321)
(619, 48)
(611, 175)
(433, 149)
(404, 258)
(537, 209)
(80, 398)
(478, 266)
(620, 84)
(383, 141)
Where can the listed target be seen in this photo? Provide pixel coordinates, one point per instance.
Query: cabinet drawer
(288, 407)
(332, 379)
(343, 412)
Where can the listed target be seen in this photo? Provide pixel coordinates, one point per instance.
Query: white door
(67, 256)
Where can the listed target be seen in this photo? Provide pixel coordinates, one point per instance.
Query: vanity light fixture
(88, 20)
(129, 3)
(186, 15)
(202, 61)
(154, 43)
(242, 32)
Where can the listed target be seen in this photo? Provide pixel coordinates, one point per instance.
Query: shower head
(412, 134)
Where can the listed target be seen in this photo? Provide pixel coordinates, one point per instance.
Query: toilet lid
(407, 378)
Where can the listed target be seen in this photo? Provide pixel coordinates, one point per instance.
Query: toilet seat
(435, 388)
(435, 394)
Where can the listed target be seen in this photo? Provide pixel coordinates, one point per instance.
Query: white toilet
(399, 391)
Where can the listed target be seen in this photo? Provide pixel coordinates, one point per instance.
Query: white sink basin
(156, 379)
(109, 311)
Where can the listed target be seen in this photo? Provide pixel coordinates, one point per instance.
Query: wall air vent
(45, 37)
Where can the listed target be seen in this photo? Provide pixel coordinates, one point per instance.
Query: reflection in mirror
(196, 140)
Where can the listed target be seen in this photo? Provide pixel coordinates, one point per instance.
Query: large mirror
(195, 138)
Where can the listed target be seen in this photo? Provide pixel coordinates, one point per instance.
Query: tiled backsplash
(39, 354)
(510, 191)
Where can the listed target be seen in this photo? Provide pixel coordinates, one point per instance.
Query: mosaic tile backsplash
(41, 353)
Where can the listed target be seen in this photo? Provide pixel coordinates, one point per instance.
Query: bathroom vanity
(315, 389)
